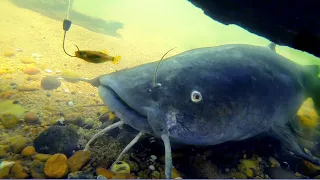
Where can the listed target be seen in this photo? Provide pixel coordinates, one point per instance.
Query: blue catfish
(212, 95)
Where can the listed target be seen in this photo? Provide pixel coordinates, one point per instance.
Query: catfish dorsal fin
(272, 46)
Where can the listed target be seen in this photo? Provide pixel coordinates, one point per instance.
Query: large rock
(290, 23)
(57, 139)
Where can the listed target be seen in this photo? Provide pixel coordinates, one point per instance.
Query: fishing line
(66, 26)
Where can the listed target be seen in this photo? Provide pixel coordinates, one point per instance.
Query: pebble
(247, 166)
(50, 83)
(9, 54)
(104, 117)
(48, 70)
(37, 169)
(70, 103)
(5, 167)
(78, 160)
(31, 70)
(56, 166)
(153, 157)
(121, 167)
(74, 118)
(88, 123)
(42, 157)
(155, 175)
(101, 177)
(104, 172)
(9, 120)
(17, 171)
(152, 168)
(3, 150)
(28, 151)
(31, 118)
(66, 91)
(27, 60)
(18, 143)
(61, 121)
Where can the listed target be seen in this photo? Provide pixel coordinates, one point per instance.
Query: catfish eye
(196, 96)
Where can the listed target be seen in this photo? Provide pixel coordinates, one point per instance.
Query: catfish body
(245, 90)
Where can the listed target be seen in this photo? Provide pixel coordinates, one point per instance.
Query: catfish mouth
(123, 110)
(122, 102)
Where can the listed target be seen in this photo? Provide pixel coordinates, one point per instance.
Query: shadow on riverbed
(57, 9)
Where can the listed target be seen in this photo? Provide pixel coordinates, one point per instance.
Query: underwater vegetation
(57, 10)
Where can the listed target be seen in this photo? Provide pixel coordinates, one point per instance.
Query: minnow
(96, 56)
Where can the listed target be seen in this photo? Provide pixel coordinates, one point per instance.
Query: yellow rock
(27, 60)
(3, 150)
(78, 160)
(247, 166)
(18, 143)
(28, 151)
(9, 120)
(104, 172)
(31, 70)
(42, 157)
(56, 166)
(7, 107)
(121, 167)
(17, 171)
(5, 167)
(8, 54)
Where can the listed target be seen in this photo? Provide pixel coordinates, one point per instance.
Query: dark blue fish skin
(246, 90)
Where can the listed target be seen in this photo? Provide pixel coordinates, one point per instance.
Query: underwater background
(33, 101)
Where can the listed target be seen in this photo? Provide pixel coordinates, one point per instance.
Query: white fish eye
(196, 96)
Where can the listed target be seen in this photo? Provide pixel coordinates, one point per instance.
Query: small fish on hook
(92, 56)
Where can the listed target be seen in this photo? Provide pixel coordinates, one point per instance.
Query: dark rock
(297, 27)
(50, 83)
(57, 139)
(104, 117)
